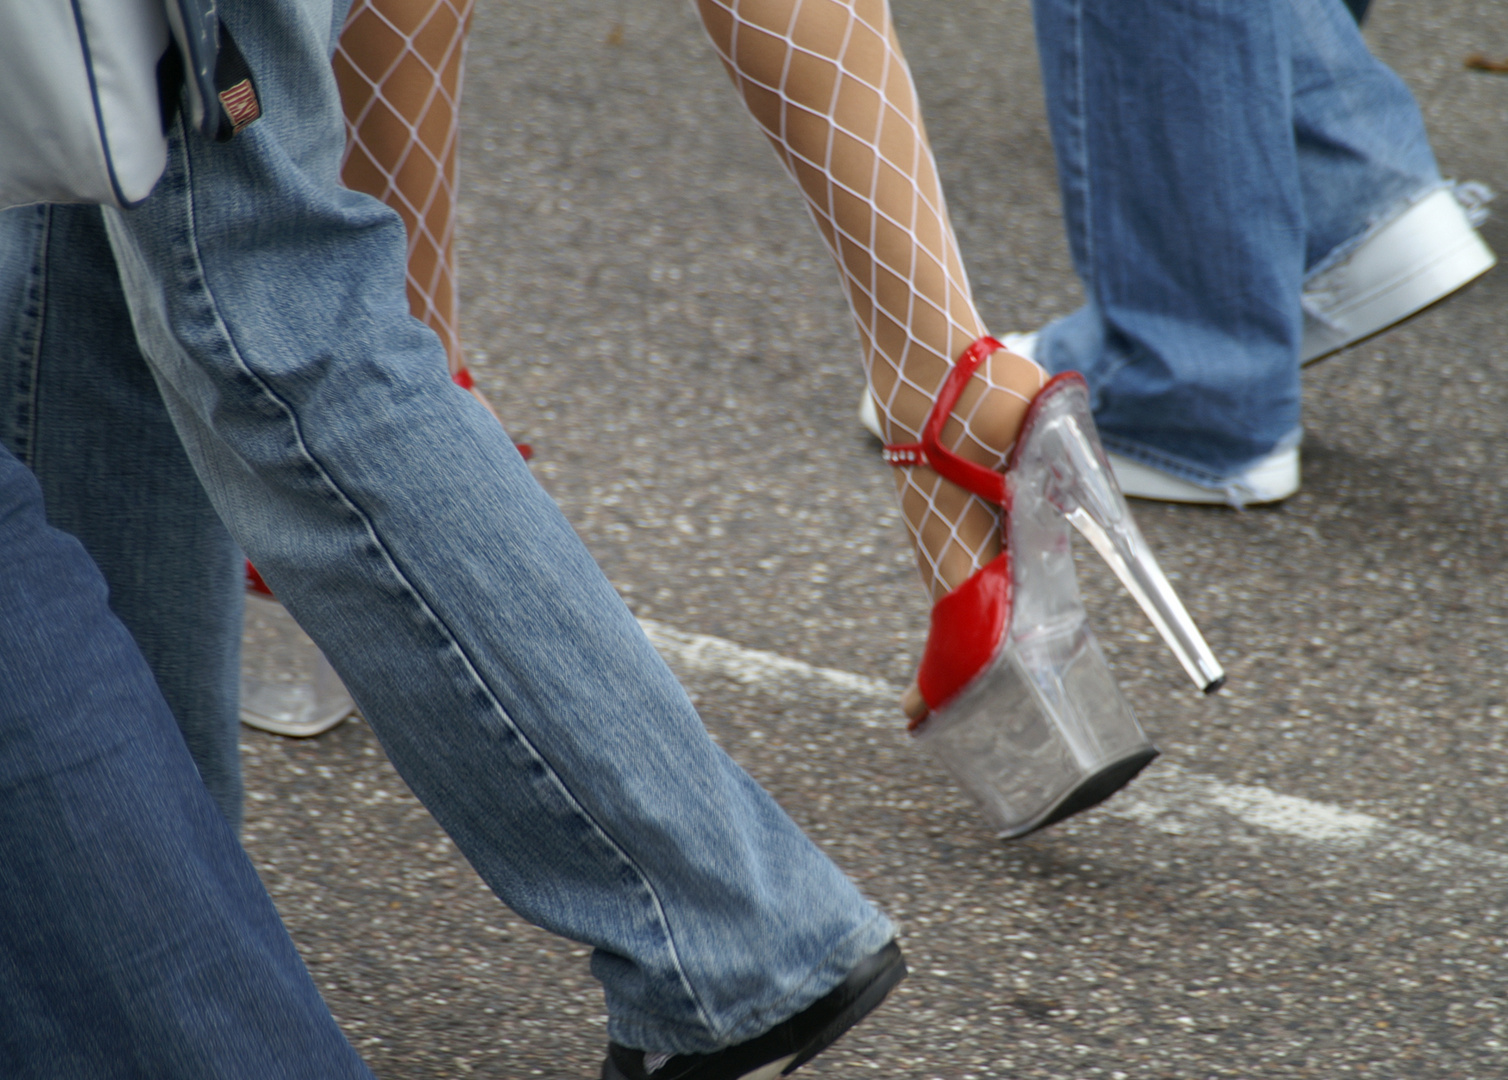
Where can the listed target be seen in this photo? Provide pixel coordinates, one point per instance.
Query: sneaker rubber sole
(1405, 265)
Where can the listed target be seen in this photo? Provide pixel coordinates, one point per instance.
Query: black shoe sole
(892, 971)
(805, 1035)
(1091, 792)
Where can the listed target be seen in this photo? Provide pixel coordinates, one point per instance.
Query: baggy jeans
(135, 937)
(1211, 154)
(388, 510)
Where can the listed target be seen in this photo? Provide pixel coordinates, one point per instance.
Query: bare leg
(827, 82)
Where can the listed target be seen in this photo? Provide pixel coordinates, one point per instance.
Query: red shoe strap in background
(254, 582)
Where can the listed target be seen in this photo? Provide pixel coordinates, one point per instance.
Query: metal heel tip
(1215, 686)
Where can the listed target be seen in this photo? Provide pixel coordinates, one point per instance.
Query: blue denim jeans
(1210, 154)
(78, 405)
(135, 937)
(388, 510)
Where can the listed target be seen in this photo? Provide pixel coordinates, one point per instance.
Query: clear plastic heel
(287, 685)
(1045, 732)
(1065, 451)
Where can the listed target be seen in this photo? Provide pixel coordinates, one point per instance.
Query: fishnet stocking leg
(827, 82)
(398, 65)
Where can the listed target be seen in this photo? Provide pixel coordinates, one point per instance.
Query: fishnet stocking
(827, 81)
(398, 64)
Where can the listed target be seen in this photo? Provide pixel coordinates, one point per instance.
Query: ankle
(983, 426)
(956, 532)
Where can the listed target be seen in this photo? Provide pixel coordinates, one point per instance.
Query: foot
(783, 1048)
(954, 532)
(913, 704)
(1022, 345)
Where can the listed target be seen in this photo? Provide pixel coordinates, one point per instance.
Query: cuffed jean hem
(1231, 484)
(628, 1027)
(1374, 224)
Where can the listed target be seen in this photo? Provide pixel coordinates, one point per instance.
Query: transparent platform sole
(287, 685)
(1044, 734)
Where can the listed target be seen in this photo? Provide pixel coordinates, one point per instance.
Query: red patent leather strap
(982, 481)
(254, 581)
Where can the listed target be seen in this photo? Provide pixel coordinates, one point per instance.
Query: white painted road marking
(1167, 798)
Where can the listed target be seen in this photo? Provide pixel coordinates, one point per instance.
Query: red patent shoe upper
(967, 628)
(969, 623)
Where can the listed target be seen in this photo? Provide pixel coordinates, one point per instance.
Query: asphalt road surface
(1310, 882)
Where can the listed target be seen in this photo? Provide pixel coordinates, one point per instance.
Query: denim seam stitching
(1081, 138)
(31, 372)
(572, 801)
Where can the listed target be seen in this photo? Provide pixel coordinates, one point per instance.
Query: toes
(913, 704)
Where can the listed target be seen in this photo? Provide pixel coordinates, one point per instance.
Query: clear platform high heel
(287, 685)
(1023, 710)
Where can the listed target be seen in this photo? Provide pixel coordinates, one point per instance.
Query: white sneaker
(1397, 269)
(1022, 344)
(1268, 480)
(869, 415)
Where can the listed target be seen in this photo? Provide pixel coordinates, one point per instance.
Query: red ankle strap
(986, 483)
